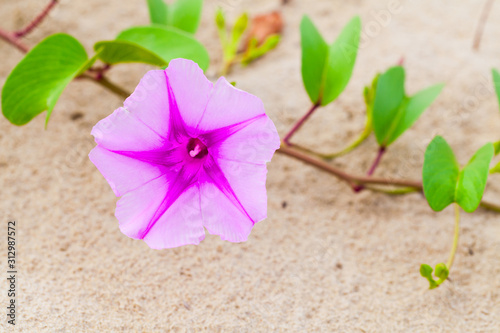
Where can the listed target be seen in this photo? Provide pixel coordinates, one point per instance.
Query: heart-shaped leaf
(426, 272)
(393, 111)
(444, 182)
(326, 69)
(155, 45)
(182, 14)
(38, 80)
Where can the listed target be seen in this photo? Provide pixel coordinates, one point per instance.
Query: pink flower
(185, 154)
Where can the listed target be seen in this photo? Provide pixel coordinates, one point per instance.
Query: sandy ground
(328, 261)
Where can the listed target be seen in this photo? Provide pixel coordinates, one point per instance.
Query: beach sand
(325, 259)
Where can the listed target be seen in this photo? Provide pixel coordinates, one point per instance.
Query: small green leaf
(426, 272)
(255, 52)
(472, 179)
(155, 45)
(239, 28)
(36, 83)
(185, 14)
(441, 272)
(440, 174)
(158, 11)
(496, 145)
(496, 82)
(119, 51)
(326, 69)
(445, 183)
(387, 107)
(495, 169)
(220, 20)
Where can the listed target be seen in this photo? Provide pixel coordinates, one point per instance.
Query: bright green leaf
(185, 14)
(314, 57)
(426, 272)
(158, 11)
(442, 272)
(182, 14)
(38, 80)
(387, 107)
(393, 111)
(255, 52)
(472, 179)
(415, 106)
(326, 69)
(239, 28)
(445, 183)
(119, 51)
(153, 44)
(496, 145)
(496, 82)
(440, 174)
(496, 168)
(341, 58)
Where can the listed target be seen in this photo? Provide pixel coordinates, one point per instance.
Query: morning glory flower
(185, 154)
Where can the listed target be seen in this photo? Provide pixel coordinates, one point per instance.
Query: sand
(330, 260)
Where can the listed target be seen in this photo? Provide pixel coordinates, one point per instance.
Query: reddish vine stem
(372, 169)
(365, 180)
(13, 40)
(481, 23)
(299, 124)
(33, 24)
(350, 179)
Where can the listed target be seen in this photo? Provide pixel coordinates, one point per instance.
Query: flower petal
(221, 217)
(145, 213)
(122, 130)
(256, 142)
(149, 102)
(233, 198)
(191, 89)
(123, 173)
(229, 105)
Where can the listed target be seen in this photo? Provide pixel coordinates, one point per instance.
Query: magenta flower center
(196, 148)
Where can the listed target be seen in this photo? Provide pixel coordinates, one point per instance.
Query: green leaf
(326, 69)
(414, 108)
(441, 272)
(38, 80)
(341, 58)
(158, 11)
(387, 107)
(118, 51)
(472, 179)
(496, 145)
(314, 56)
(496, 168)
(393, 111)
(426, 272)
(155, 45)
(255, 52)
(440, 174)
(239, 28)
(445, 183)
(496, 82)
(182, 14)
(185, 14)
